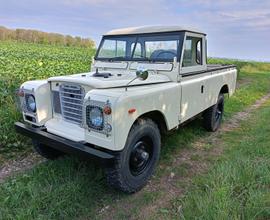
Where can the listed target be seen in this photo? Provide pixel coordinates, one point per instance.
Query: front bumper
(63, 144)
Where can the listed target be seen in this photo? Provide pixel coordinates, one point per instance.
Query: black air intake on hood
(104, 75)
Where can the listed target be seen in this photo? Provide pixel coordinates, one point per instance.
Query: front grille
(56, 102)
(71, 97)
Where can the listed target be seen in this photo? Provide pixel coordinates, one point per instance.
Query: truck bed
(210, 68)
(213, 67)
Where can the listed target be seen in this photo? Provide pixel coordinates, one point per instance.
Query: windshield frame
(180, 34)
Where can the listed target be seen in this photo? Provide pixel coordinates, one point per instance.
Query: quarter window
(192, 52)
(199, 52)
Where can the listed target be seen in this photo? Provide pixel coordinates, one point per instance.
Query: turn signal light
(20, 93)
(107, 110)
(132, 110)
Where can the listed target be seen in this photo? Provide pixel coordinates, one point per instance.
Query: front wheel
(212, 116)
(134, 166)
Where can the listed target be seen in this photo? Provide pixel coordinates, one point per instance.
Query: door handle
(202, 89)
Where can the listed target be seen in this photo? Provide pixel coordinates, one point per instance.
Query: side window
(192, 52)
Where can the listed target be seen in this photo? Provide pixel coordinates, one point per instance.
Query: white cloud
(227, 22)
(247, 14)
(257, 19)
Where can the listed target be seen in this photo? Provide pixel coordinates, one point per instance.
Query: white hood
(116, 80)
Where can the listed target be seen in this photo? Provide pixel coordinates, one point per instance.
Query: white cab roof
(151, 29)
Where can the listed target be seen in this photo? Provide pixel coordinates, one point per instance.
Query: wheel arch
(224, 89)
(158, 117)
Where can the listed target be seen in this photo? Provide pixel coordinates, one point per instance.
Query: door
(192, 76)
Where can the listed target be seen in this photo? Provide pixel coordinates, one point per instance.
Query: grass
(20, 62)
(70, 188)
(253, 85)
(44, 190)
(238, 186)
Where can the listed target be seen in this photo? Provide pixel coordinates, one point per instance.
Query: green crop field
(236, 186)
(20, 62)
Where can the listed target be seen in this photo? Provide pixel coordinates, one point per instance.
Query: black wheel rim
(219, 111)
(140, 157)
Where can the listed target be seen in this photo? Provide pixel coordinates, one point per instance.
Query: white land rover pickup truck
(144, 81)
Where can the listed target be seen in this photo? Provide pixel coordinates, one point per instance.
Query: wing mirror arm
(141, 74)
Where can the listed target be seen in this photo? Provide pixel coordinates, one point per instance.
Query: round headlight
(31, 103)
(96, 117)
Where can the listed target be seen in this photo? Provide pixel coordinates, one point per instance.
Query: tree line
(34, 36)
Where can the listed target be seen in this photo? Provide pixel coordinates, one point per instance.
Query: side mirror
(142, 73)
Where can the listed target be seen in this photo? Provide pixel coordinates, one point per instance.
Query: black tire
(45, 151)
(134, 166)
(212, 117)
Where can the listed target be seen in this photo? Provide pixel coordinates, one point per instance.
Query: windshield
(162, 47)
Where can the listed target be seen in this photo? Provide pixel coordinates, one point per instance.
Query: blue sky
(235, 28)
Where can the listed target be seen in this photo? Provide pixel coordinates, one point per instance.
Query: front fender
(40, 89)
(164, 98)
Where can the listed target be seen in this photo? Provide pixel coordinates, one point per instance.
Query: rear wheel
(212, 117)
(134, 166)
(45, 151)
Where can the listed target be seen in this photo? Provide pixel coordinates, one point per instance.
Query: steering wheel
(142, 56)
(166, 51)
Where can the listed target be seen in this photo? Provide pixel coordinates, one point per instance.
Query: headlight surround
(30, 103)
(95, 118)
